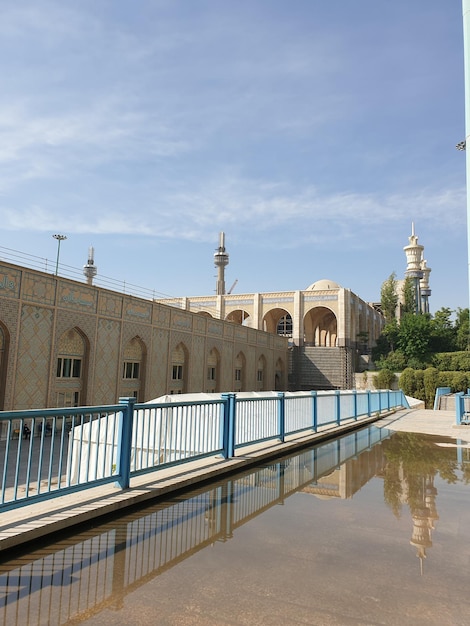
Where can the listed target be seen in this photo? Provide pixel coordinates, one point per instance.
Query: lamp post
(463, 144)
(59, 239)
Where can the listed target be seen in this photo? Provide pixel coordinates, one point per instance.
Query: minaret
(220, 261)
(90, 268)
(414, 259)
(424, 286)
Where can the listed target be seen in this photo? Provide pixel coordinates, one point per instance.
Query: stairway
(315, 368)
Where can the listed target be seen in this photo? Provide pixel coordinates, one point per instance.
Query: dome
(323, 285)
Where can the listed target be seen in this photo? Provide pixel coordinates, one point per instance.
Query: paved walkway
(34, 521)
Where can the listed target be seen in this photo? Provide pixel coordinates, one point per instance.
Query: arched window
(279, 322)
(179, 369)
(261, 374)
(239, 372)
(70, 385)
(213, 373)
(133, 367)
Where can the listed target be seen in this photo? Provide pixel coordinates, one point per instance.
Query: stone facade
(65, 343)
(325, 314)
(331, 331)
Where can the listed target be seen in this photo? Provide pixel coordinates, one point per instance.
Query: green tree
(408, 296)
(443, 332)
(413, 337)
(389, 297)
(462, 326)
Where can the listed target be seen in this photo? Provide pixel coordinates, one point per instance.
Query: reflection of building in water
(128, 552)
(424, 514)
(347, 479)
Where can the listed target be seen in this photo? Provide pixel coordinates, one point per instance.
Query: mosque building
(331, 330)
(67, 343)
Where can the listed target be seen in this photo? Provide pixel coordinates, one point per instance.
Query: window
(68, 367)
(68, 398)
(238, 374)
(260, 376)
(177, 372)
(211, 373)
(131, 370)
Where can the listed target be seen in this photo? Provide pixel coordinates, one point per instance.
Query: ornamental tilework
(33, 357)
(106, 362)
(110, 305)
(39, 289)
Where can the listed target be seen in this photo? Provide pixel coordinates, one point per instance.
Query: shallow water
(371, 528)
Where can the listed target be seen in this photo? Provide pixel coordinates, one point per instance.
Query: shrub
(407, 381)
(395, 361)
(459, 382)
(384, 379)
(445, 379)
(452, 361)
(420, 392)
(431, 382)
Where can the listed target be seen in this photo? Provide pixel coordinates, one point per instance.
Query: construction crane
(232, 287)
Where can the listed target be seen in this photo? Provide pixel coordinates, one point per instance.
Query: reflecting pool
(371, 528)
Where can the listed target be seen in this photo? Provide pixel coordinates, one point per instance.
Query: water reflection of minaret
(221, 261)
(90, 270)
(424, 515)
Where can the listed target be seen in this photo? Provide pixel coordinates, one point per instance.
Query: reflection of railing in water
(111, 444)
(97, 572)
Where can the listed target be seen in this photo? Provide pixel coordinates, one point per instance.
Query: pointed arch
(213, 371)
(179, 364)
(134, 359)
(240, 372)
(71, 368)
(261, 374)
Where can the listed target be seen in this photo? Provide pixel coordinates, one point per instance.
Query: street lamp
(59, 239)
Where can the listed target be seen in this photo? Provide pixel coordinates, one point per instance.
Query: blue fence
(50, 452)
(462, 408)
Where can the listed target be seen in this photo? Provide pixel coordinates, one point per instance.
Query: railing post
(229, 425)
(281, 414)
(337, 406)
(314, 411)
(369, 403)
(125, 442)
(459, 407)
(354, 393)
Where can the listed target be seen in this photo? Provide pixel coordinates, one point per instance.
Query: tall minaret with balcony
(424, 286)
(414, 260)
(220, 261)
(90, 270)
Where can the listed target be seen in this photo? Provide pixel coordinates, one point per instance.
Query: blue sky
(312, 133)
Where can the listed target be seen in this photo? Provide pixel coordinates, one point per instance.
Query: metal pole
(59, 239)
(466, 51)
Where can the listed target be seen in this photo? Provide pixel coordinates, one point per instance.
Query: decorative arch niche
(320, 327)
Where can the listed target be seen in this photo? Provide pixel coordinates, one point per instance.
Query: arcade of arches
(323, 315)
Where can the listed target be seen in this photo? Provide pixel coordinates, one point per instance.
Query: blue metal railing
(462, 408)
(50, 452)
